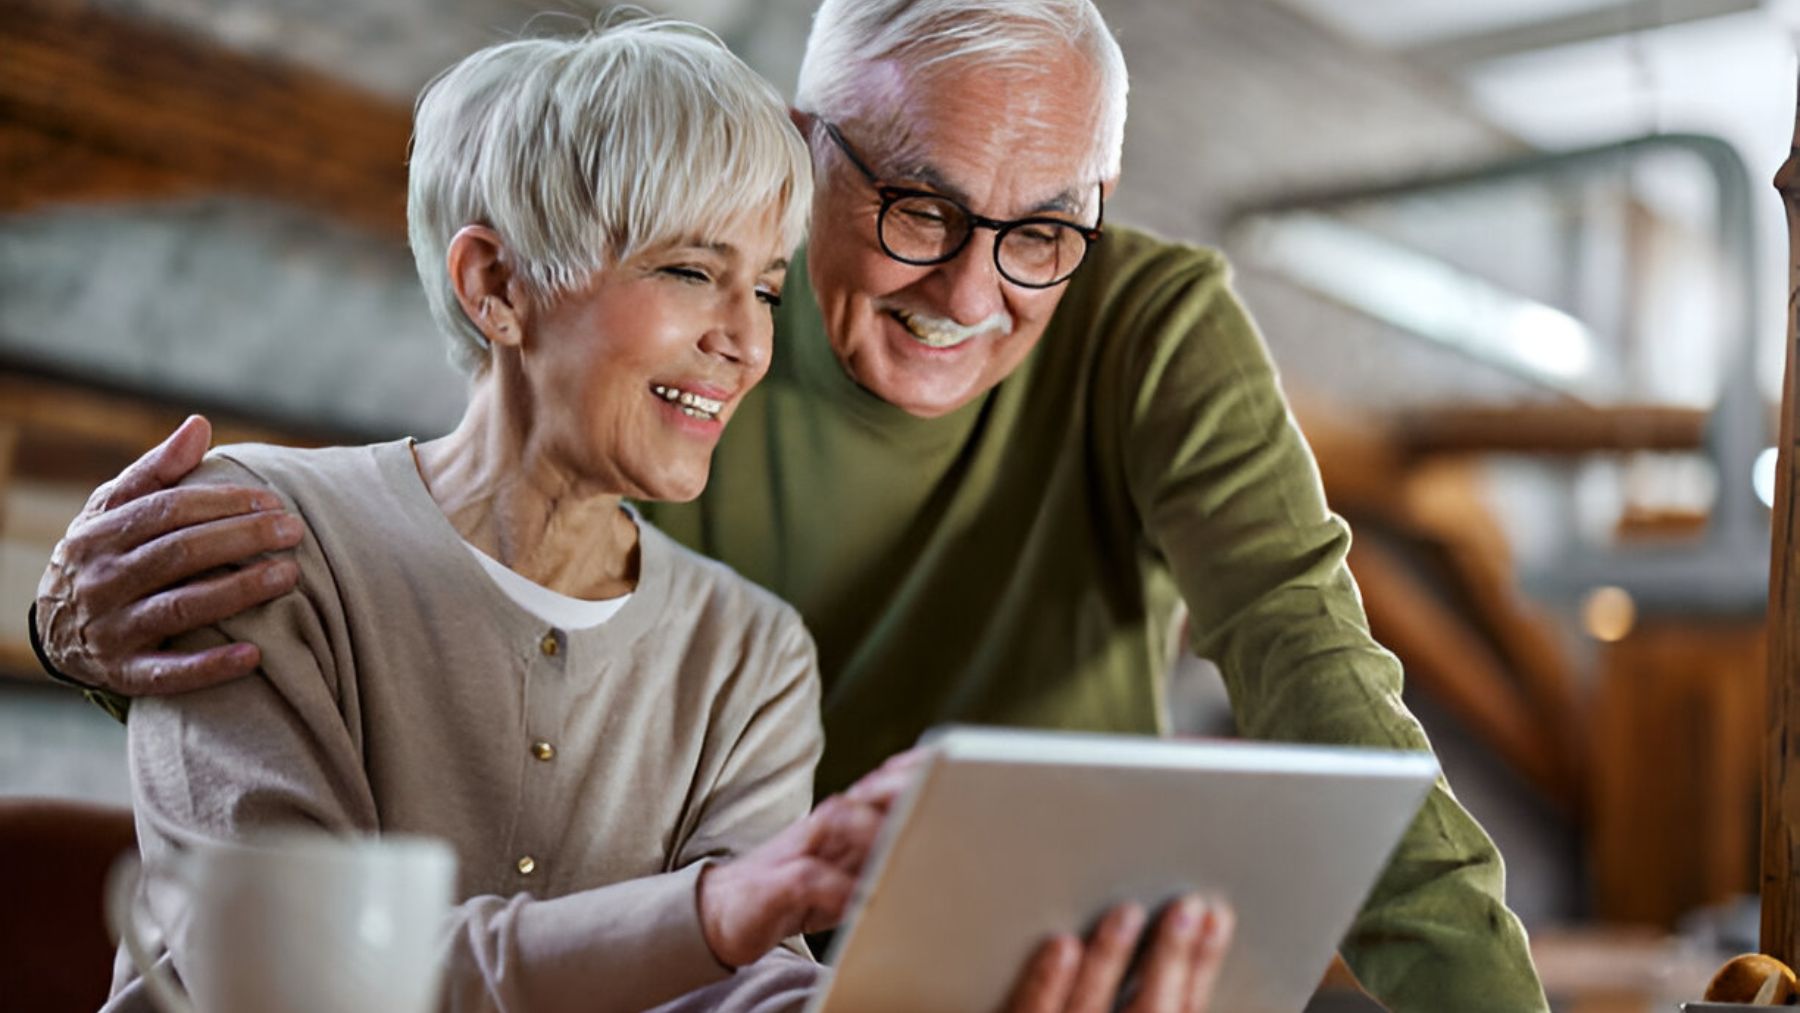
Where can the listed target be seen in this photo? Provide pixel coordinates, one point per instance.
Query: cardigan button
(548, 645)
(527, 865)
(543, 750)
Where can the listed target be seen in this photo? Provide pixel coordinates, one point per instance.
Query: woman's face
(635, 375)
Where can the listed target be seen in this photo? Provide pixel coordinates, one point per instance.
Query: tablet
(1007, 837)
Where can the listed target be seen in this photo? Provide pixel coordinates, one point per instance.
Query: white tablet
(1010, 836)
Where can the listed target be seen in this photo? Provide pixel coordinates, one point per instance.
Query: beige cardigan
(402, 691)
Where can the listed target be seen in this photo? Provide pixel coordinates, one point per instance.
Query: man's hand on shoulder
(134, 569)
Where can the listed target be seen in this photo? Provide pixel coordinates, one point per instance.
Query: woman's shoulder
(312, 481)
(712, 588)
(285, 468)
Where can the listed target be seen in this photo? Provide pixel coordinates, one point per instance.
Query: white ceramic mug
(298, 923)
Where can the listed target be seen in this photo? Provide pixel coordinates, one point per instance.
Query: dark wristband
(37, 648)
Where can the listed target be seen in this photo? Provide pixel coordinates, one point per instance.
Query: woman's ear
(485, 286)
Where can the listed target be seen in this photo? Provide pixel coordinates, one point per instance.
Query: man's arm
(1228, 493)
(136, 567)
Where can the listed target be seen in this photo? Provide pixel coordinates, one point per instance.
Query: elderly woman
(486, 644)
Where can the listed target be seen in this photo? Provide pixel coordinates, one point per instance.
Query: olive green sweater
(1020, 562)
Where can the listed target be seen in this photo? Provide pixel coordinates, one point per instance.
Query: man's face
(1005, 144)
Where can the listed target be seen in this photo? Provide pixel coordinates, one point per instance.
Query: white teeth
(938, 333)
(689, 402)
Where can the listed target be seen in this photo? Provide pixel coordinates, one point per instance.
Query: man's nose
(972, 283)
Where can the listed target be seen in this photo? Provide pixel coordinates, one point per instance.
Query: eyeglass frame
(891, 194)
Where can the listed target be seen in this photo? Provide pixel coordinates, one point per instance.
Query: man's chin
(914, 377)
(926, 397)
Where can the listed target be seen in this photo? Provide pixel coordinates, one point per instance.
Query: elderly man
(994, 454)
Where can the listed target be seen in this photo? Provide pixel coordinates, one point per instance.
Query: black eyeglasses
(920, 228)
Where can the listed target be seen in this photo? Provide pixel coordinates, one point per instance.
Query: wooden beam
(9, 446)
(1671, 820)
(113, 421)
(93, 104)
(1550, 429)
(1781, 755)
(37, 168)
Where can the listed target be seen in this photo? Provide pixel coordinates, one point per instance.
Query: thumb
(162, 465)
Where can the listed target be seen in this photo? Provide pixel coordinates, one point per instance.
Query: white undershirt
(559, 610)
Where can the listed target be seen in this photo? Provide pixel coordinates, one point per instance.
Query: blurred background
(1518, 261)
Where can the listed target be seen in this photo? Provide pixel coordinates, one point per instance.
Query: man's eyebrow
(778, 264)
(1066, 202)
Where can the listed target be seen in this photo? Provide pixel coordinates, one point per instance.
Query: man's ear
(485, 286)
(803, 122)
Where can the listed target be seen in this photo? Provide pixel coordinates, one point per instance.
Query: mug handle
(122, 918)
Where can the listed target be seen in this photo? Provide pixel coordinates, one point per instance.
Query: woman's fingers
(889, 781)
(1105, 959)
(825, 893)
(842, 832)
(1045, 981)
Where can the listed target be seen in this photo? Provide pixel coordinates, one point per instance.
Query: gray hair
(926, 35)
(581, 151)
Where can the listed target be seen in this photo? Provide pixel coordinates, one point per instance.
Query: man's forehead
(954, 129)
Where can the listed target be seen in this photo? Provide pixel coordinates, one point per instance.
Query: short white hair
(581, 151)
(927, 35)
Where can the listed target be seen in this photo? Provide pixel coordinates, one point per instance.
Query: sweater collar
(647, 601)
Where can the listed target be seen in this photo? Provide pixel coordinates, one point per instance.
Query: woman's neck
(505, 491)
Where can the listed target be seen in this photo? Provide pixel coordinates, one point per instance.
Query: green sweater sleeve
(1228, 494)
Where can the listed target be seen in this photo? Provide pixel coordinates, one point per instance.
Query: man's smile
(937, 332)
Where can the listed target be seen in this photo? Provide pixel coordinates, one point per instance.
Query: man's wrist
(37, 648)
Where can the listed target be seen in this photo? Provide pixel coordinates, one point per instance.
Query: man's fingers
(1168, 971)
(1044, 983)
(156, 514)
(161, 466)
(1209, 956)
(1103, 962)
(165, 672)
(198, 549)
(202, 603)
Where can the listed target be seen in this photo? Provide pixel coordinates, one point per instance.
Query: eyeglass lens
(928, 230)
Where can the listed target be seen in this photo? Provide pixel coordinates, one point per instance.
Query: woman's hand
(121, 581)
(802, 879)
(1067, 976)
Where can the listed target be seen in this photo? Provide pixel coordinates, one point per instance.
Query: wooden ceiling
(95, 107)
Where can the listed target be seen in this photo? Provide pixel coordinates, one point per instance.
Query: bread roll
(1742, 979)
